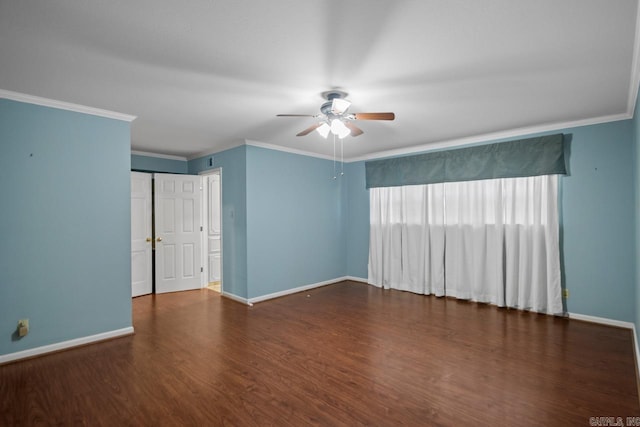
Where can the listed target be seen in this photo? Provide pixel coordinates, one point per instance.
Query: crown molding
(46, 102)
(488, 137)
(157, 155)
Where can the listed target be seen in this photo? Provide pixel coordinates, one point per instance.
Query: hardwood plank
(345, 354)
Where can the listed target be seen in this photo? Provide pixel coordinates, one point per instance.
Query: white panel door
(177, 232)
(213, 229)
(141, 279)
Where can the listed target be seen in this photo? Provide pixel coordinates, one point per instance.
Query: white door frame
(205, 228)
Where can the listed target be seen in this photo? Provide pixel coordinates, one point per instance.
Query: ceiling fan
(334, 117)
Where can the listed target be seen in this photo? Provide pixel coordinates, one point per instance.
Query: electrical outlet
(565, 293)
(23, 327)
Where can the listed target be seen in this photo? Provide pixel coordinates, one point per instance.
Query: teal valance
(525, 157)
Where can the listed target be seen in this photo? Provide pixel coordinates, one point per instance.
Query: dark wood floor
(345, 354)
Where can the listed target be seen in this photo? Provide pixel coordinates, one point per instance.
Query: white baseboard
(64, 345)
(251, 301)
(601, 320)
(301, 289)
(357, 279)
(237, 298)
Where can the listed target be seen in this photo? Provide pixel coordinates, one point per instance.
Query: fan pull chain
(334, 156)
(341, 157)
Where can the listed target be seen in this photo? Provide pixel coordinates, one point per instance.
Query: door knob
(159, 239)
(149, 239)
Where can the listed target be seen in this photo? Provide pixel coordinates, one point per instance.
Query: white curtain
(406, 249)
(493, 241)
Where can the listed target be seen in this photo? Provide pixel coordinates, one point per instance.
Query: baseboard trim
(236, 298)
(299, 289)
(64, 345)
(251, 301)
(601, 320)
(357, 279)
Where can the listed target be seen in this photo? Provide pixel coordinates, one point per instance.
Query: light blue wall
(357, 229)
(157, 164)
(598, 221)
(294, 221)
(65, 256)
(233, 164)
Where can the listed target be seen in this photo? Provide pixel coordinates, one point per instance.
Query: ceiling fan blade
(309, 129)
(295, 115)
(355, 130)
(374, 116)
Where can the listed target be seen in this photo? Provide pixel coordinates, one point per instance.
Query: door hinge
(200, 228)
(201, 269)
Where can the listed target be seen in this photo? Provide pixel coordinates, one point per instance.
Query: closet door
(177, 232)
(141, 278)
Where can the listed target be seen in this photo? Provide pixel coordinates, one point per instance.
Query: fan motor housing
(330, 95)
(326, 108)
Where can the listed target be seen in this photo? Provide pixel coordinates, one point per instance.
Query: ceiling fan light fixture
(338, 128)
(324, 130)
(339, 105)
(344, 133)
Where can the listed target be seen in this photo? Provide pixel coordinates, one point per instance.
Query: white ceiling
(206, 75)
